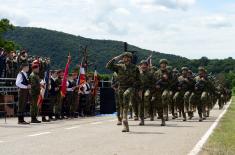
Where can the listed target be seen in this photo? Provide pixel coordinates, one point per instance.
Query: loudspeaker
(107, 101)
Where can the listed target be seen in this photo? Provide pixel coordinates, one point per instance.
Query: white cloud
(170, 26)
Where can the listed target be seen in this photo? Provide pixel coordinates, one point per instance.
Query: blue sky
(190, 28)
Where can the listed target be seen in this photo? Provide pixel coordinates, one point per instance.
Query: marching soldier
(200, 96)
(162, 94)
(182, 87)
(147, 87)
(22, 82)
(35, 92)
(128, 75)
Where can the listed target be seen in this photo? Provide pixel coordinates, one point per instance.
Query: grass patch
(222, 141)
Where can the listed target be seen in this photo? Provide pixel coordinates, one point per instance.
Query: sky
(189, 28)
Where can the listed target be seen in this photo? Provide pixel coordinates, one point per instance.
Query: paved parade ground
(101, 136)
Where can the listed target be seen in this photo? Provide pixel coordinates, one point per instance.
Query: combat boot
(21, 120)
(208, 113)
(141, 122)
(119, 121)
(126, 126)
(163, 122)
(152, 118)
(184, 117)
(34, 120)
(200, 117)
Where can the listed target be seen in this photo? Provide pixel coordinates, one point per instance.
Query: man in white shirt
(22, 82)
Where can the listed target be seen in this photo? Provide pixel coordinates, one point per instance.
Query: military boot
(45, 120)
(184, 116)
(141, 122)
(200, 117)
(34, 120)
(208, 113)
(126, 126)
(163, 122)
(21, 120)
(119, 121)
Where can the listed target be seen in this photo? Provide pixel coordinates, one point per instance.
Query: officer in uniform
(162, 95)
(128, 77)
(34, 80)
(22, 82)
(59, 98)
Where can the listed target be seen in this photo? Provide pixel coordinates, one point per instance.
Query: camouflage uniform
(147, 83)
(162, 95)
(182, 86)
(200, 95)
(128, 79)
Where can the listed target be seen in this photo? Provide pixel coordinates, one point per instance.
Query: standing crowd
(40, 87)
(148, 92)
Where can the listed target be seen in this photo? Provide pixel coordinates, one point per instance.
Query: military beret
(127, 54)
(34, 66)
(184, 68)
(165, 61)
(143, 62)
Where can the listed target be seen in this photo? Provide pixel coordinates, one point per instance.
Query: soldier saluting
(128, 75)
(22, 82)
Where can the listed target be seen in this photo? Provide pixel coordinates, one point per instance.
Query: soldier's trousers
(146, 104)
(186, 102)
(135, 102)
(23, 99)
(74, 105)
(69, 101)
(165, 102)
(33, 105)
(58, 104)
(199, 99)
(179, 101)
(118, 106)
(124, 95)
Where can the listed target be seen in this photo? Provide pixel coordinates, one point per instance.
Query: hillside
(56, 45)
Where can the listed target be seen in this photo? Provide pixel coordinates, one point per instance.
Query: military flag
(64, 81)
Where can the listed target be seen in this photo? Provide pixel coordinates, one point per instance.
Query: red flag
(96, 82)
(82, 76)
(64, 81)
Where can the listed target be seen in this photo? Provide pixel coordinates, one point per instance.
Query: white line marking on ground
(96, 123)
(73, 127)
(39, 134)
(197, 148)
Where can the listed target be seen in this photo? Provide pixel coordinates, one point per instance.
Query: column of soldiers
(151, 92)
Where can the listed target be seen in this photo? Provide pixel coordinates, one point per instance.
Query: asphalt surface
(101, 136)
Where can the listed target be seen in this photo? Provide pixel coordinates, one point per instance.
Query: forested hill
(56, 45)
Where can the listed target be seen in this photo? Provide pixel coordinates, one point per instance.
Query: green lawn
(222, 141)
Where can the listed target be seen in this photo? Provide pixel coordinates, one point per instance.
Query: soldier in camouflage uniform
(35, 92)
(147, 83)
(182, 88)
(191, 108)
(200, 96)
(128, 77)
(162, 95)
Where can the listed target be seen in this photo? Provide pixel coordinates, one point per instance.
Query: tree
(5, 26)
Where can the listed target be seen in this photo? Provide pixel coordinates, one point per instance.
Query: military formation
(149, 92)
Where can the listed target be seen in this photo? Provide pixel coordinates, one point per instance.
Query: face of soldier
(201, 73)
(126, 60)
(54, 75)
(144, 67)
(184, 73)
(163, 66)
